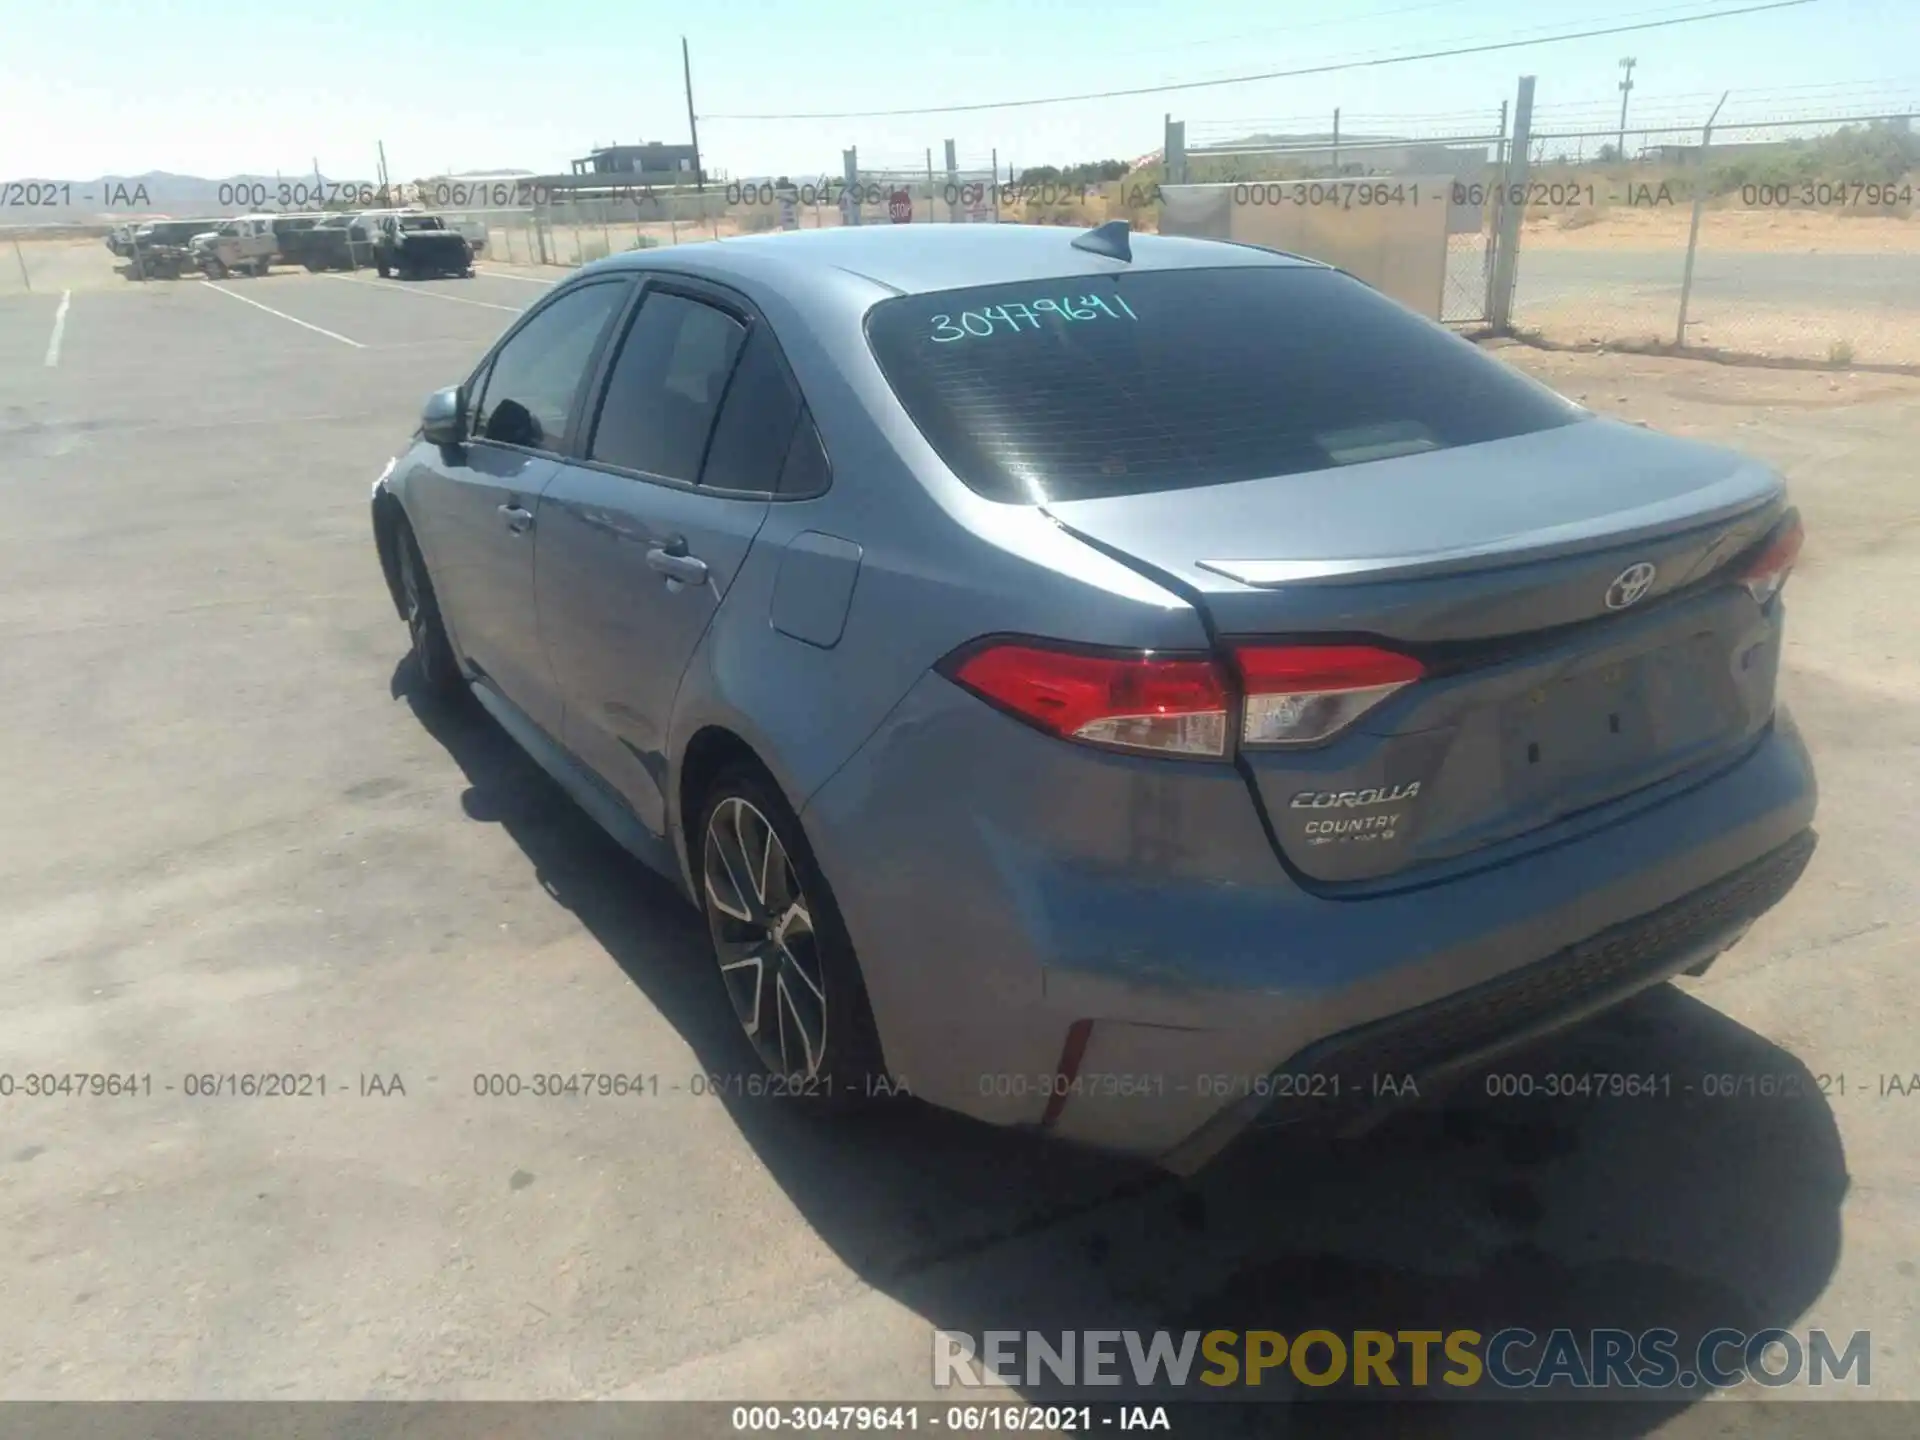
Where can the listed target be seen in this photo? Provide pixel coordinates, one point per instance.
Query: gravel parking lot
(236, 847)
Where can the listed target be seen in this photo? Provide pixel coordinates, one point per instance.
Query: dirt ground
(1657, 227)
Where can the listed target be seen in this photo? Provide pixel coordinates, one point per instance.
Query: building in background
(649, 164)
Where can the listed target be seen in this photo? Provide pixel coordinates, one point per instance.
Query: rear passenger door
(643, 531)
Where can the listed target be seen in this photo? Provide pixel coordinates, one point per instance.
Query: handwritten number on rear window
(1015, 315)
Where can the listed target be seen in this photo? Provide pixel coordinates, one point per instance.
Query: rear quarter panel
(939, 566)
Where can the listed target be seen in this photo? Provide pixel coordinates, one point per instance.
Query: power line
(1267, 75)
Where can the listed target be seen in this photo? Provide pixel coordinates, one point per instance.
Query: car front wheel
(785, 959)
(433, 656)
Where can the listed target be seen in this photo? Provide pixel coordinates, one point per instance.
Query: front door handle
(519, 520)
(687, 569)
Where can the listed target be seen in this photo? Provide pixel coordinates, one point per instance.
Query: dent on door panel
(814, 588)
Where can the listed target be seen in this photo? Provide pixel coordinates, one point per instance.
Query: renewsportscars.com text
(1507, 1359)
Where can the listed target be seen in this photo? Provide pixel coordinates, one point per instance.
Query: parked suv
(414, 246)
(1133, 687)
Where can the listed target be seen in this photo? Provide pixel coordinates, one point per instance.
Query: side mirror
(444, 420)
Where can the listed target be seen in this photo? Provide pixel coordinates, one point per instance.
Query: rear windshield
(1093, 386)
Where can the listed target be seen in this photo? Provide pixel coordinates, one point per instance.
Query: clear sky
(91, 87)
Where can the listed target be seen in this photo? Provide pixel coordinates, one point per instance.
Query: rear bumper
(1006, 891)
(1352, 1076)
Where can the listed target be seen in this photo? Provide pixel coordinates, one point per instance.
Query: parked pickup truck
(342, 242)
(412, 245)
(243, 245)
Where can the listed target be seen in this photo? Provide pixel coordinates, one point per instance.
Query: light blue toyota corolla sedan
(1133, 687)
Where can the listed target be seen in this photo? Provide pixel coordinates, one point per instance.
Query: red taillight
(1140, 701)
(1179, 704)
(1304, 694)
(1768, 571)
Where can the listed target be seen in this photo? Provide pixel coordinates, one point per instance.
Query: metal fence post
(1173, 155)
(1506, 259)
(953, 181)
(1693, 228)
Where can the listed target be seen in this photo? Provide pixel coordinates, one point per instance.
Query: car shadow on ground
(1682, 1209)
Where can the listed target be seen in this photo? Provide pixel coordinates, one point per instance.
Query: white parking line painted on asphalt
(221, 289)
(503, 275)
(424, 294)
(59, 328)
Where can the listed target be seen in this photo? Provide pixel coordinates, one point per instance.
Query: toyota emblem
(1630, 585)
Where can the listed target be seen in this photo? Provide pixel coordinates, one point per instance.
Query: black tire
(385, 272)
(813, 983)
(433, 657)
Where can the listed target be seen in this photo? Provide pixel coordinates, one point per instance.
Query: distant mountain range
(45, 200)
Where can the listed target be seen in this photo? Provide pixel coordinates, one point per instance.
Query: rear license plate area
(1614, 721)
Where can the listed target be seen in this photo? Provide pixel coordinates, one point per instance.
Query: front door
(477, 507)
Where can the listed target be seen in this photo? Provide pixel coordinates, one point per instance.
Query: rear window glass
(1092, 386)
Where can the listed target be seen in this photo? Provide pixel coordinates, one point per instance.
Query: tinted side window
(533, 382)
(805, 471)
(666, 387)
(756, 422)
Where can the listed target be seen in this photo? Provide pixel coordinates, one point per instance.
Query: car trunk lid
(1553, 586)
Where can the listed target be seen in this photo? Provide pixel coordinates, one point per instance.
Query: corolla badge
(1353, 799)
(1630, 585)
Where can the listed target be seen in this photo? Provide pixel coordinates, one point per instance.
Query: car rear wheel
(433, 656)
(786, 962)
(385, 270)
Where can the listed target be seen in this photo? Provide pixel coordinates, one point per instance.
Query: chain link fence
(1779, 239)
(1782, 236)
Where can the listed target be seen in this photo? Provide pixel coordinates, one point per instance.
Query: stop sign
(900, 207)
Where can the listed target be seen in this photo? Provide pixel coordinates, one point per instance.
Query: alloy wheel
(764, 939)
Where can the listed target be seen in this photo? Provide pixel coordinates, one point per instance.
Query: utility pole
(693, 125)
(1626, 87)
(384, 200)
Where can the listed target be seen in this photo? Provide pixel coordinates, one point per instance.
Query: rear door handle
(687, 569)
(519, 520)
